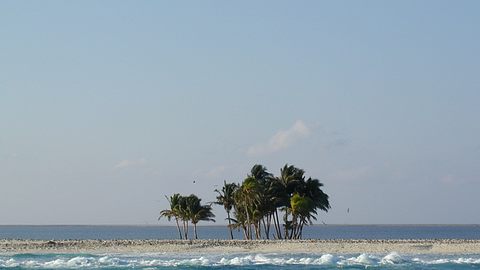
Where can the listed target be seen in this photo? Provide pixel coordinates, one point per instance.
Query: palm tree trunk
(277, 225)
(301, 230)
(178, 228)
(258, 230)
(195, 230)
(293, 226)
(297, 230)
(285, 219)
(249, 227)
(230, 225)
(266, 226)
(185, 229)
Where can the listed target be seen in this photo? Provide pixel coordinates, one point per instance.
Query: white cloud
(281, 140)
(130, 163)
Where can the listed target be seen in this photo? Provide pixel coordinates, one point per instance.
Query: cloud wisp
(281, 140)
(127, 163)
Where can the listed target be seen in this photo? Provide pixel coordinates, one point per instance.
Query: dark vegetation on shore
(257, 205)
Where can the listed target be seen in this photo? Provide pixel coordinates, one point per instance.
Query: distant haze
(108, 106)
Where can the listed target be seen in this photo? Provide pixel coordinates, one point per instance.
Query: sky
(108, 106)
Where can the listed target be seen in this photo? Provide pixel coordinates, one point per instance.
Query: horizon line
(222, 225)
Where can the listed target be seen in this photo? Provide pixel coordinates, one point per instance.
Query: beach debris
(51, 243)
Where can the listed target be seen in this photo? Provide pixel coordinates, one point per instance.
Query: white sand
(240, 246)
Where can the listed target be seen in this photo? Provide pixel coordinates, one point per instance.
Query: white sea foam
(163, 260)
(327, 259)
(362, 259)
(467, 261)
(460, 260)
(392, 258)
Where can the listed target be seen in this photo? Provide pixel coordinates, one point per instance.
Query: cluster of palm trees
(257, 201)
(187, 209)
(255, 206)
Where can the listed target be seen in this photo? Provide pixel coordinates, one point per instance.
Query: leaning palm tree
(204, 213)
(226, 198)
(198, 212)
(174, 211)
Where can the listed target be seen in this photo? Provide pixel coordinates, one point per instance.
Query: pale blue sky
(107, 106)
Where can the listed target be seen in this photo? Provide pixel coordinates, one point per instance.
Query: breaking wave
(326, 261)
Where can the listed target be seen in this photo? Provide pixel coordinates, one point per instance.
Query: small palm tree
(174, 211)
(198, 212)
(226, 198)
(203, 213)
(239, 220)
(303, 211)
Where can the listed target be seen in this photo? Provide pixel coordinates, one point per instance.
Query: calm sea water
(220, 232)
(249, 261)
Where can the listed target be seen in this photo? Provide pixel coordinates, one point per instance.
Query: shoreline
(337, 246)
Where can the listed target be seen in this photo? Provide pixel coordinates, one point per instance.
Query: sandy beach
(240, 246)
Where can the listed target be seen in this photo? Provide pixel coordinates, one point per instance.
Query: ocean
(221, 232)
(248, 261)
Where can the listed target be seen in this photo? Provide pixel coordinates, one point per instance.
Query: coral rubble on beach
(439, 246)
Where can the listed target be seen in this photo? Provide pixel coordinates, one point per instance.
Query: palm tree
(310, 191)
(274, 195)
(184, 214)
(226, 198)
(263, 210)
(198, 212)
(313, 189)
(187, 208)
(290, 178)
(260, 173)
(239, 219)
(303, 210)
(247, 198)
(299, 198)
(174, 211)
